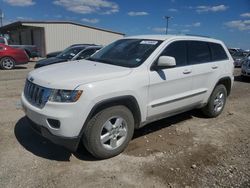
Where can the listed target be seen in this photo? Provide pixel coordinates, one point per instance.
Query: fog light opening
(54, 123)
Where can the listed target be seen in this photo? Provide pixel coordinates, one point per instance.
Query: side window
(2, 41)
(198, 52)
(178, 51)
(86, 53)
(218, 52)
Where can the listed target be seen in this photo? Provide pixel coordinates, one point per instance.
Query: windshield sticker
(150, 42)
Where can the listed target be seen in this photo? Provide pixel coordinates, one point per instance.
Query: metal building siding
(60, 35)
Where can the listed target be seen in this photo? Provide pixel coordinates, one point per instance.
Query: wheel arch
(227, 82)
(129, 101)
(13, 58)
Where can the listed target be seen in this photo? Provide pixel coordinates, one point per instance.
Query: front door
(170, 88)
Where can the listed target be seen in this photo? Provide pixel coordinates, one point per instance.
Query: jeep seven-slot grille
(35, 94)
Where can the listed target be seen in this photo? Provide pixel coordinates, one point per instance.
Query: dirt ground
(187, 150)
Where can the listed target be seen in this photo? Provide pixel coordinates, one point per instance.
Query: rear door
(206, 60)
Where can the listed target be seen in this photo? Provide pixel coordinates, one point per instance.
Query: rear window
(198, 52)
(218, 52)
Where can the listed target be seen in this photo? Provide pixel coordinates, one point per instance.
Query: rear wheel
(216, 102)
(108, 133)
(7, 63)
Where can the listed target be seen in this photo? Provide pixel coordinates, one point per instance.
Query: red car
(10, 57)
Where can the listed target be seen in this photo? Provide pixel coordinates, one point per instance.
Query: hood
(49, 61)
(69, 75)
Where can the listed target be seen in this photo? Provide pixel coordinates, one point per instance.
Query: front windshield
(126, 52)
(69, 53)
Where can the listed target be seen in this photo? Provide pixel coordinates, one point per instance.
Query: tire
(216, 102)
(116, 127)
(7, 63)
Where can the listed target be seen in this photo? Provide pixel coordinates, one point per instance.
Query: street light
(167, 18)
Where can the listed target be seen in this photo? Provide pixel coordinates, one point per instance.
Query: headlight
(67, 96)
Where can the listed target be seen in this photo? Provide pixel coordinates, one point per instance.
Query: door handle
(187, 71)
(214, 67)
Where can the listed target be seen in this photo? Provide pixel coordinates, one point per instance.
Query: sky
(227, 20)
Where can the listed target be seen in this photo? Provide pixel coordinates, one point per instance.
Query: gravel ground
(187, 150)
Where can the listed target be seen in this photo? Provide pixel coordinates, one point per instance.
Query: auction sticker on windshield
(150, 42)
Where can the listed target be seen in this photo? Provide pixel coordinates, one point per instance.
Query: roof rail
(197, 35)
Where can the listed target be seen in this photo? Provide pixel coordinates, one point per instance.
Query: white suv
(124, 86)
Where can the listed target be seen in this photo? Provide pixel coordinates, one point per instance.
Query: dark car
(76, 52)
(54, 54)
(31, 50)
(239, 58)
(10, 57)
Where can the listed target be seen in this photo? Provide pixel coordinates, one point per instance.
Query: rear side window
(178, 51)
(218, 52)
(198, 52)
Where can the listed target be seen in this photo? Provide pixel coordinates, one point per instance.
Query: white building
(51, 36)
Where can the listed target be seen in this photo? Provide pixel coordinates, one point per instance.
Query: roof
(168, 37)
(20, 23)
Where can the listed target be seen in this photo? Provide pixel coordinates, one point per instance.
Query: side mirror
(166, 61)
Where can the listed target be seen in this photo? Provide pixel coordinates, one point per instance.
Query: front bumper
(69, 143)
(71, 123)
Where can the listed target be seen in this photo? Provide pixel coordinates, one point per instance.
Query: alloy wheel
(113, 133)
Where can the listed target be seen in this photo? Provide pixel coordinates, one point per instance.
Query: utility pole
(167, 18)
(1, 18)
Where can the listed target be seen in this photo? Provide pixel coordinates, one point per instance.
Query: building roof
(22, 23)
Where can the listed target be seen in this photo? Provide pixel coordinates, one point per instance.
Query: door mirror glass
(166, 61)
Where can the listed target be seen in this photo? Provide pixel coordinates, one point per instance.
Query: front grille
(36, 95)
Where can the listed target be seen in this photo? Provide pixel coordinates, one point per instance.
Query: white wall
(58, 36)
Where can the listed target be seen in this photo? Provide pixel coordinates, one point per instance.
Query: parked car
(10, 57)
(124, 86)
(234, 50)
(54, 54)
(70, 54)
(31, 50)
(239, 58)
(245, 68)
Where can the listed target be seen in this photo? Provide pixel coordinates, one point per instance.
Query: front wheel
(7, 63)
(216, 102)
(108, 133)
